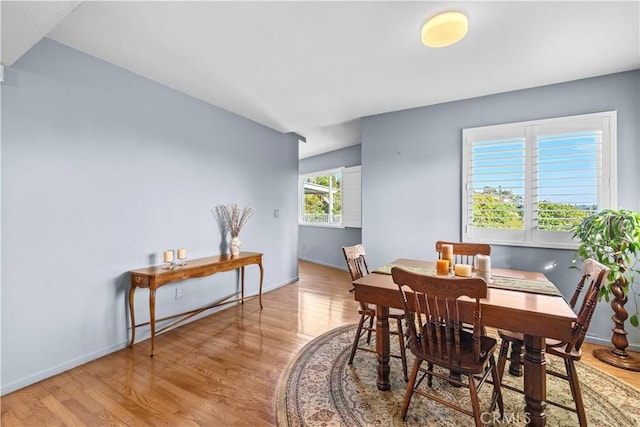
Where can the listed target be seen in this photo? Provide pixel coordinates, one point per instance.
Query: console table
(157, 276)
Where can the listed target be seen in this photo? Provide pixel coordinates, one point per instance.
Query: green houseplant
(612, 237)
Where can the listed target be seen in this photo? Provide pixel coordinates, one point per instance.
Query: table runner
(499, 282)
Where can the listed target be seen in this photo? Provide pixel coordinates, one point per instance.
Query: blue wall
(323, 245)
(411, 174)
(102, 170)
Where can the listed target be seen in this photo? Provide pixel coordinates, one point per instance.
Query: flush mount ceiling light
(445, 29)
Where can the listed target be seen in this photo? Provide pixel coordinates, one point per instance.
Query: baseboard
(606, 342)
(140, 337)
(313, 261)
(58, 369)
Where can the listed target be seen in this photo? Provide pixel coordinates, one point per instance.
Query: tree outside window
(323, 199)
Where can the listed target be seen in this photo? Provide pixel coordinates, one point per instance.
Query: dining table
(519, 301)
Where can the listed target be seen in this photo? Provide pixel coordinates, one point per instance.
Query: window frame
(531, 236)
(301, 179)
(351, 197)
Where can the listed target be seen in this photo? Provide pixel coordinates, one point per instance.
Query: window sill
(304, 224)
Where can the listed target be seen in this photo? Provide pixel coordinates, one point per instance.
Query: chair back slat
(594, 275)
(578, 291)
(433, 314)
(464, 253)
(356, 261)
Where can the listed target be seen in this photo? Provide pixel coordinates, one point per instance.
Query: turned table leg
(535, 380)
(383, 346)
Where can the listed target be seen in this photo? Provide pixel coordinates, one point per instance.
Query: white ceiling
(314, 68)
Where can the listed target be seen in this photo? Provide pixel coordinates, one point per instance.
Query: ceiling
(315, 68)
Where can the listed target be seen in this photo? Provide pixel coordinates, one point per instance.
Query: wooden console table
(157, 276)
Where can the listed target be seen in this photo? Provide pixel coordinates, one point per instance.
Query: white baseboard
(141, 336)
(55, 370)
(337, 267)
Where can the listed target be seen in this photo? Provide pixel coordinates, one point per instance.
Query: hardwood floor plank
(61, 411)
(222, 369)
(9, 418)
(14, 403)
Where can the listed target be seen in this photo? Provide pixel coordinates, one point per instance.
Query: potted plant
(612, 237)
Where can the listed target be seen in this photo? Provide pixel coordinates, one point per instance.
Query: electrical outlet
(178, 293)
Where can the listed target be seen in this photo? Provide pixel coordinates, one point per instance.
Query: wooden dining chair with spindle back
(432, 313)
(357, 265)
(594, 275)
(464, 253)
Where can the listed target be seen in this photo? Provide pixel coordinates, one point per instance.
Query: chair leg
(475, 403)
(410, 385)
(502, 359)
(575, 391)
(356, 339)
(371, 318)
(497, 393)
(403, 353)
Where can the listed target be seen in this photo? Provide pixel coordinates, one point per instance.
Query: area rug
(319, 388)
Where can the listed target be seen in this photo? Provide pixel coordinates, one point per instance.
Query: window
(527, 184)
(330, 198)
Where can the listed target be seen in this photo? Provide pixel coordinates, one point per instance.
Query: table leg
(242, 283)
(535, 380)
(132, 315)
(382, 346)
(261, 277)
(152, 318)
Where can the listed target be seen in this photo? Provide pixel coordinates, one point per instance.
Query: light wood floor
(221, 370)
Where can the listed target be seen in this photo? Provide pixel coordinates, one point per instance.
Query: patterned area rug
(319, 388)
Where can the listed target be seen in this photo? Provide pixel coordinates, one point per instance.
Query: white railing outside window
(330, 198)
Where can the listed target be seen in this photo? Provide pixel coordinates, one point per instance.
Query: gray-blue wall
(411, 174)
(102, 170)
(323, 245)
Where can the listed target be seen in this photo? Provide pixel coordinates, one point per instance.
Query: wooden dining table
(536, 315)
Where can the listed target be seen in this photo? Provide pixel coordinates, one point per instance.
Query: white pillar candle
(168, 256)
(484, 263)
(463, 270)
(182, 253)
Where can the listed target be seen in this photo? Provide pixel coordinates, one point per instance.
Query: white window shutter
(528, 183)
(352, 197)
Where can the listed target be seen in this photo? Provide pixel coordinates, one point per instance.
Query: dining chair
(357, 265)
(432, 314)
(593, 276)
(464, 253)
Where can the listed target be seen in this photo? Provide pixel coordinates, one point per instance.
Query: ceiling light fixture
(445, 29)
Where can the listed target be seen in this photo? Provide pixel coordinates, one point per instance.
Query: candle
(168, 256)
(484, 263)
(442, 267)
(463, 270)
(486, 276)
(182, 253)
(447, 254)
